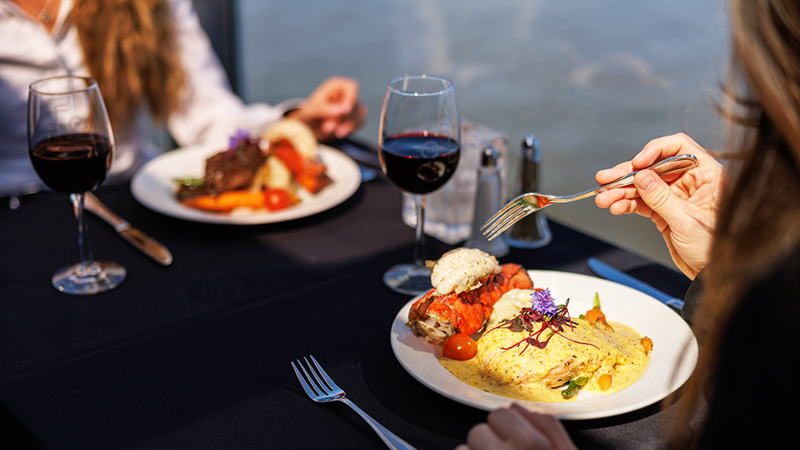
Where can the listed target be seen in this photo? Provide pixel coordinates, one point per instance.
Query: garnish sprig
(553, 318)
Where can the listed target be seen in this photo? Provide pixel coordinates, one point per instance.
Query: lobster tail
(438, 317)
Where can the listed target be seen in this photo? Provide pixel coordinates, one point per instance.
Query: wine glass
(419, 141)
(71, 147)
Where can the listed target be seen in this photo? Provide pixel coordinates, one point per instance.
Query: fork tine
(511, 221)
(509, 216)
(500, 217)
(311, 392)
(514, 204)
(324, 374)
(315, 379)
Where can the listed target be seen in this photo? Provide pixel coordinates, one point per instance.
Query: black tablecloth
(196, 355)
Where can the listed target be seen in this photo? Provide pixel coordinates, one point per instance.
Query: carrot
(647, 343)
(227, 201)
(604, 381)
(594, 314)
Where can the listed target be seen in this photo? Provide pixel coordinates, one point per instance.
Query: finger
(623, 207)
(328, 126)
(483, 436)
(630, 206)
(659, 197)
(667, 146)
(354, 121)
(342, 96)
(551, 427)
(608, 198)
(609, 175)
(510, 425)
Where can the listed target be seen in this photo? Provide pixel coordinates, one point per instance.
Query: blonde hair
(130, 50)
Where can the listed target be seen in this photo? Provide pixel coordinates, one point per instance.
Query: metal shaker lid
(489, 156)
(531, 150)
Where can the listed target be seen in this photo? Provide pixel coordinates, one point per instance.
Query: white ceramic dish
(153, 186)
(672, 361)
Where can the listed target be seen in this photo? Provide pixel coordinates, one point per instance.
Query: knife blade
(138, 239)
(612, 273)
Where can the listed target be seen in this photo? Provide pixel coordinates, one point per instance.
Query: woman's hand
(683, 206)
(333, 109)
(516, 428)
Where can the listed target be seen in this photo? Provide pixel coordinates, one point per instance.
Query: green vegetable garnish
(189, 182)
(574, 386)
(596, 303)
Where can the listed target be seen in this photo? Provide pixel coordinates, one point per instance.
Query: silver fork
(531, 202)
(320, 388)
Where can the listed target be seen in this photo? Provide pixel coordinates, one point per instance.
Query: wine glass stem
(87, 260)
(419, 235)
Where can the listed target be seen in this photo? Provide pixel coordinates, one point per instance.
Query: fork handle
(390, 439)
(674, 164)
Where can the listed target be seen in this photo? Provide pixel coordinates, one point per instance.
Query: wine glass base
(408, 279)
(94, 278)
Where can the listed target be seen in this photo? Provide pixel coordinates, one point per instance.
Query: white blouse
(28, 52)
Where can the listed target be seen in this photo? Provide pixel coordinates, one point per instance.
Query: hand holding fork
(531, 202)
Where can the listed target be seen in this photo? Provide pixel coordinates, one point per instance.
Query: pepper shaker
(487, 202)
(532, 231)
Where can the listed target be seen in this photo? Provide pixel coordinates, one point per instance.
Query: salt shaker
(532, 231)
(487, 203)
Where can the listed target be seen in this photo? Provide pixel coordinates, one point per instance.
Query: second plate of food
(154, 186)
(671, 363)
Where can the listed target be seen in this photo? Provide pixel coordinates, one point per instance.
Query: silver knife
(143, 242)
(611, 273)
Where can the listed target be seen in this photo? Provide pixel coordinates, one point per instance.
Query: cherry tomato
(460, 347)
(275, 199)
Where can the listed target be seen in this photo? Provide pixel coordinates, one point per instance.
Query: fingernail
(647, 183)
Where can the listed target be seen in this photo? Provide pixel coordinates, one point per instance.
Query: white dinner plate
(672, 360)
(154, 187)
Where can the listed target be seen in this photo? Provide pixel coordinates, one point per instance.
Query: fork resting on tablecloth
(320, 388)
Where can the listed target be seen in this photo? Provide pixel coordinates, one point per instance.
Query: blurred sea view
(594, 80)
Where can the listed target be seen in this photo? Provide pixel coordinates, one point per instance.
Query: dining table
(197, 354)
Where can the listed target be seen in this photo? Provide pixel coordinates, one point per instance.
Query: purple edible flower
(240, 136)
(543, 303)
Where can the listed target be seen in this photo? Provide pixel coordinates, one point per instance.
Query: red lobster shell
(438, 317)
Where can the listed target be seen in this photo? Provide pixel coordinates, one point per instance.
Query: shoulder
(757, 362)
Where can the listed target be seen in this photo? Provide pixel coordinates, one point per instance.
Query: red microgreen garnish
(542, 310)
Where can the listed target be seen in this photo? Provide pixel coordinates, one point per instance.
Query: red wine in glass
(419, 139)
(71, 147)
(419, 163)
(72, 163)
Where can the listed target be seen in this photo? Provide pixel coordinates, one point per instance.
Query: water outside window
(594, 80)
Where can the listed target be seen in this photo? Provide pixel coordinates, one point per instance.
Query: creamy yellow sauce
(540, 374)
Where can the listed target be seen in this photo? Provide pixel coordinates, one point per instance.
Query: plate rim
(688, 352)
(346, 176)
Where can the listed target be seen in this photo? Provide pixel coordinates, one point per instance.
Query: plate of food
(565, 344)
(279, 176)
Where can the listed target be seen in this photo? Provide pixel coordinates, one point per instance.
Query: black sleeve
(755, 387)
(693, 298)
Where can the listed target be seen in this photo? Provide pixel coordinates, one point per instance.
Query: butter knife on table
(612, 273)
(143, 242)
